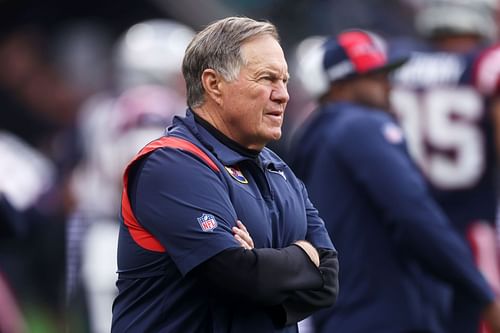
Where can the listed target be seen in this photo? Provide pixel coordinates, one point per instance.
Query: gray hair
(218, 47)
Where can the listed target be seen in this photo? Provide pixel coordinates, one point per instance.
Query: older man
(186, 262)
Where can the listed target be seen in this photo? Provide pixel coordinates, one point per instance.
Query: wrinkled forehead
(264, 51)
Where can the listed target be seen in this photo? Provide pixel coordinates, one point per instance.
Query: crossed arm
(277, 280)
(291, 283)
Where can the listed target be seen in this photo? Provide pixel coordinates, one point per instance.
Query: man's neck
(205, 123)
(209, 113)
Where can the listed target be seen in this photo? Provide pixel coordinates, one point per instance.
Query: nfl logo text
(207, 222)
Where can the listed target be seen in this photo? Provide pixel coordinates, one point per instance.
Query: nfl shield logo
(207, 222)
(393, 133)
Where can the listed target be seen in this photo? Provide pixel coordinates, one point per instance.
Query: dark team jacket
(396, 247)
(186, 216)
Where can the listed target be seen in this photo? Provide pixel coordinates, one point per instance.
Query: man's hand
(242, 236)
(310, 250)
(491, 316)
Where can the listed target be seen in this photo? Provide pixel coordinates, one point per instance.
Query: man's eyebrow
(275, 72)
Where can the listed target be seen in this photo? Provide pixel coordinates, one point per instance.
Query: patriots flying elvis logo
(207, 222)
(236, 173)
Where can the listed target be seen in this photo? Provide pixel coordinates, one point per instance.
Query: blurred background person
(447, 100)
(113, 126)
(26, 176)
(36, 108)
(398, 253)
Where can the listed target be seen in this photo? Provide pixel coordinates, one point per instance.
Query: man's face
(253, 105)
(373, 90)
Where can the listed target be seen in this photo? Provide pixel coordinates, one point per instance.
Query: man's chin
(275, 136)
(270, 136)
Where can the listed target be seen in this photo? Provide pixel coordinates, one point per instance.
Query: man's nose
(280, 93)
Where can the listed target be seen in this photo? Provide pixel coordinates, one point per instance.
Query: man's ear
(211, 81)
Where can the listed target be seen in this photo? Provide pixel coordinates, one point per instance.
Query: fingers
(242, 235)
(243, 243)
(241, 226)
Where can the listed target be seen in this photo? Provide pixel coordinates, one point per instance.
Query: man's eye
(274, 79)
